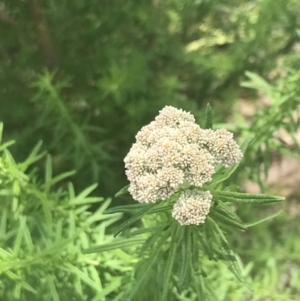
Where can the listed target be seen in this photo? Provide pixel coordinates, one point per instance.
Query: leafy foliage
(115, 64)
(43, 230)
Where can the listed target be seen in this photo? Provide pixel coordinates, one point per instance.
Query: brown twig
(43, 34)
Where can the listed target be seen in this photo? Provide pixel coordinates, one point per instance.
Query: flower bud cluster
(192, 207)
(173, 150)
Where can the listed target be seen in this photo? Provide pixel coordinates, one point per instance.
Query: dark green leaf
(149, 230)
(152, 239)
(195, 248)
(230, 258)
(186, 252)
(151, 261)
(226, 219)
(224, 208)
(116, 244)
(248, 198)
(132, 207)
(133, 219)
(126, 208)
(177, 231)
(207, 243)
(161, 209)
(200, 287)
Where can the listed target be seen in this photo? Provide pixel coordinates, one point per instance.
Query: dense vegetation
(84, 77)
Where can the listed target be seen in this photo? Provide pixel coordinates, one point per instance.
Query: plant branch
(43, 35)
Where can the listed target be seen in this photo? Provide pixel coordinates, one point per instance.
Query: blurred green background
(85, 75)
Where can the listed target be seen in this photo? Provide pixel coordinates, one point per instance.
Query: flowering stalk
(176, 170)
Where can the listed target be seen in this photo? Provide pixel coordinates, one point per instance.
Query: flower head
(173, 150)
(224, 148)
(192, 207)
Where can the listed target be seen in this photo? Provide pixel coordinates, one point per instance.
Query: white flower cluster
(173, 150)
(192, 207)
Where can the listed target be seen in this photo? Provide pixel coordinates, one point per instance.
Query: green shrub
(44, 226)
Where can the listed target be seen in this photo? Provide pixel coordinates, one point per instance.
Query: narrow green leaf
(77, 285)
(129, 208)
(234, 266)
(106, 223)
(20, 235)
(28, 239)
(133, 219)
(248, 225)
(71, 190)
(245, 145)
(217, 233)
(47, 210)
(95, 276)
(33, 157)
(157, 209)
(152, 239)
(110, 287)
(230, 258)
(248, 198)
(3, 222)
(123, 191)
(116, 244)
(125, 208)
(98, 215)
(84, 240)
(84, 277)
(151, 262)
(208, 117)
(226, 219)
(217, 239)
(48, 174)
(6, 145)
(61, 177)
(1, 131)
(72, 224)
(149, 230)
(207, 243)
(83, 198)
(186, 252)
(21, 283)
(177, 230)
(52, 287)
(56, 248)
(87, 200)
(224, 208)
(199, 286)
(195, 248)
(87, 191)
(28, 287)
(257, 82)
